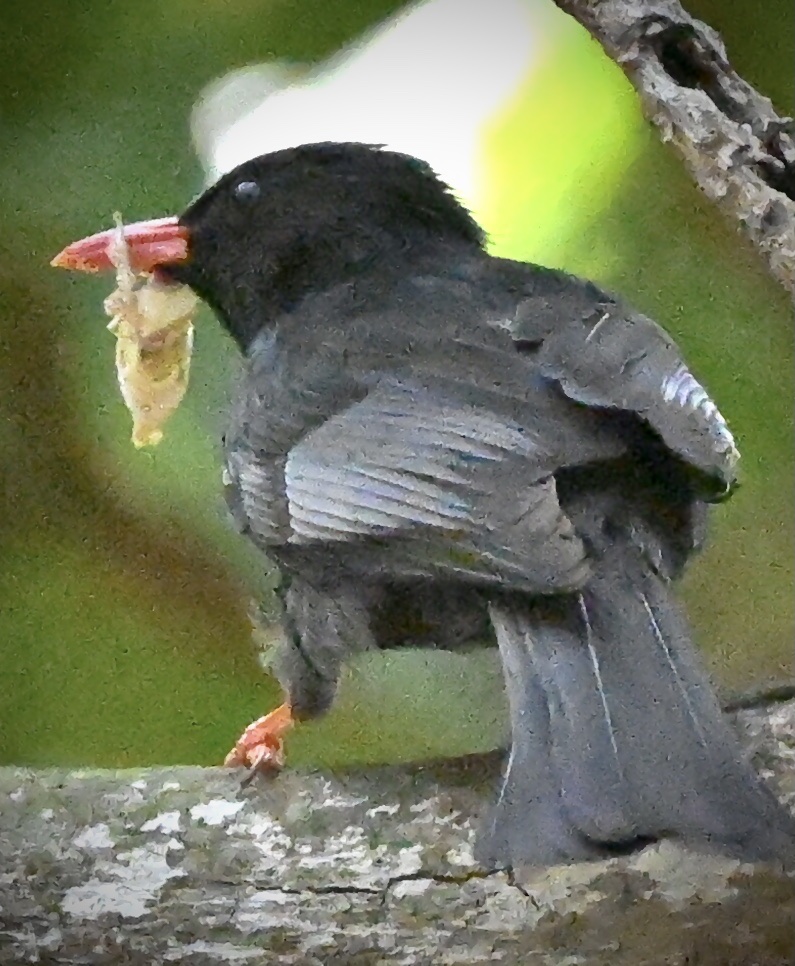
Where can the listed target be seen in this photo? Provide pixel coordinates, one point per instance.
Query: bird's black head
(292, 223)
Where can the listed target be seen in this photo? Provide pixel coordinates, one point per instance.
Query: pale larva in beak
(152, 322)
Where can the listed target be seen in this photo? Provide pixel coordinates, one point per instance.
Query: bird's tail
(618, 738)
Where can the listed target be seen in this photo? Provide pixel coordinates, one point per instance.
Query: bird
(425, 432)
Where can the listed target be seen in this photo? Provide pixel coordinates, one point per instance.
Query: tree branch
(181, 865)
(740, 152)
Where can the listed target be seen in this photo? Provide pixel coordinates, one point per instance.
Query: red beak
(161, 241)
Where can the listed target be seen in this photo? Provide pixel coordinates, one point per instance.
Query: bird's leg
(260, 747)
(322, 628)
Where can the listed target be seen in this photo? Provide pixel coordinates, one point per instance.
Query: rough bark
(740, 152)
(182, 865)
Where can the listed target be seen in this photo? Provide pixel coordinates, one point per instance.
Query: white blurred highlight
(423, 83)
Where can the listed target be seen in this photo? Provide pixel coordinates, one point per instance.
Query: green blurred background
(123, 594)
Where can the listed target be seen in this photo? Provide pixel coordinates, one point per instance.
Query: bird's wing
(604, 355)
(458, 490)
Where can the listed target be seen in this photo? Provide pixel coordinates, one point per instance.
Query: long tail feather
(618, 738)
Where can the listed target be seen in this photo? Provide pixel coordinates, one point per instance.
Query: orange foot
(260, 747)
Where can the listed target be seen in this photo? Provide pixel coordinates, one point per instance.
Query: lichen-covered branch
(182, 865)
(740, 152)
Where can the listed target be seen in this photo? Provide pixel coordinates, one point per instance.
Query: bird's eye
(247, 191)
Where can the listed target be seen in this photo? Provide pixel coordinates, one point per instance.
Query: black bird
(420, 425)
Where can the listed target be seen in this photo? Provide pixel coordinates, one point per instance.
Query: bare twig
(740, 152)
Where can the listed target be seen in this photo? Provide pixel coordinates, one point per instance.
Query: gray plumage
(420, 422)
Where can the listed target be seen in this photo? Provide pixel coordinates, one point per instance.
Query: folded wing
(606, 355)
(459, 491)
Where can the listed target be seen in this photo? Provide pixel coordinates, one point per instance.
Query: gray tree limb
(182, 865)
(740, 152)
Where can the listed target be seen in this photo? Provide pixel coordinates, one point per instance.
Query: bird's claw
(260, 748)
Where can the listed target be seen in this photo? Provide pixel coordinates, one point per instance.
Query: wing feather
(608, 356)
(457, 489)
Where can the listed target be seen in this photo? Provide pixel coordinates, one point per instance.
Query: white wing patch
(683, 388)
